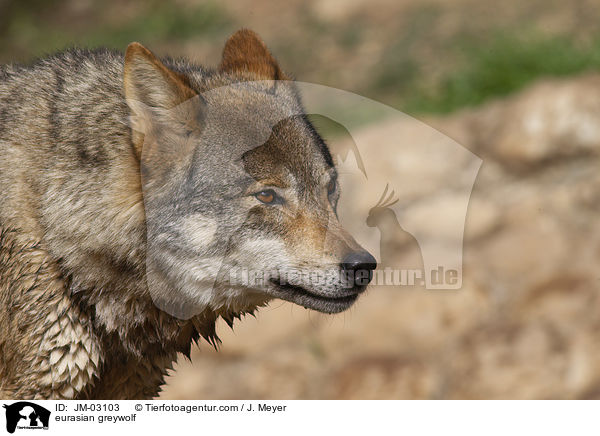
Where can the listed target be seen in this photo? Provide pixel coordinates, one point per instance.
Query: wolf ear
(245, 52)
(156, 94)
(150, 82)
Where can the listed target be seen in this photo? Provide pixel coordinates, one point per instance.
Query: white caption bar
(301, 417)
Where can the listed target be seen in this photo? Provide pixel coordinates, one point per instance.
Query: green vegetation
(502, 65)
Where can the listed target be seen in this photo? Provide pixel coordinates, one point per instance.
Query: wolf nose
(359, 267)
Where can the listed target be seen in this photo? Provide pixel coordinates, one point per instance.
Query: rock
(554, 119)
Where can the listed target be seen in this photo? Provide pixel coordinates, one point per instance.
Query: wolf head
(240, 191)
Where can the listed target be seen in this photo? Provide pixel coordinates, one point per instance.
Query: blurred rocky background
(518, 84)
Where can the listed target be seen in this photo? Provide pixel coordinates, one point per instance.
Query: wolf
(131, 186)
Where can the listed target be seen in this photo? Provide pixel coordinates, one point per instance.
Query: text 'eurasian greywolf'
(130, 188)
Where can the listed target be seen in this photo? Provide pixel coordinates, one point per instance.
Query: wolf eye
(331, 187)
(268, 196)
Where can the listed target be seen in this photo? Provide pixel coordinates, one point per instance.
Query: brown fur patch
(245, 52)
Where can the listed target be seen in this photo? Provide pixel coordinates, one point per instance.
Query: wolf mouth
(304, 297)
